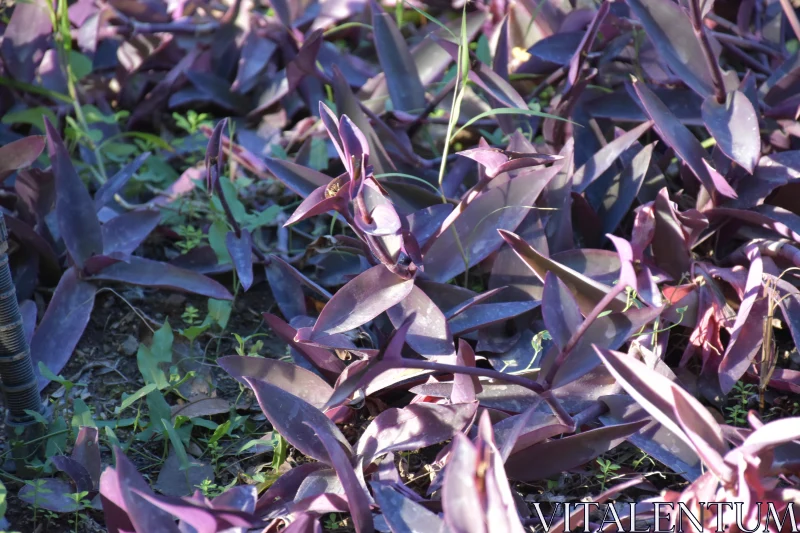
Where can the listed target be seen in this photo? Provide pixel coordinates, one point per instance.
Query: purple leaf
(606, 156)
(497, 160)
(463, 509)
(291, 378)
(656, 394)
(286, 290)
(503, 205)
(677, 136)
(423, 224)
(285, 487)
(550, 458)
(690, 416)
(256, 54)
(306, 522)
(466, 304)
(76, 471)
(25, 39)
(414, 427)
(116, 183)
(20, 154)
(214, 155)
(62, 324)
(734, 125)
(75, 211)
(429, 334)
(560, 311)
(770, 435)
(736, 361)
(620, 195)
(670, 247)
(201, 517)
(28, 311)
(124, 233)
(365, 297)
(672, 35)
(87, 452)
(484, 315)
(317, 203)
(288, 414)
(781, 221)
(402, 77)
(126, 511)
(357, 498)
(300, 179)
(154, 274)
(241, 250)
(50, 494)
(587, 292)
(404, 515)
(328, 364)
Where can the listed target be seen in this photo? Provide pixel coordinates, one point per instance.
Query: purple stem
(616, 290)
(713, 65)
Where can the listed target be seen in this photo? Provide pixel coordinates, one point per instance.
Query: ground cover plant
(404, 266)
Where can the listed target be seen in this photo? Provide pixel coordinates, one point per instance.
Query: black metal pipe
(18, 381)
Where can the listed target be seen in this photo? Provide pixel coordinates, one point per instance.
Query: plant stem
(616, 290)
(713, 64)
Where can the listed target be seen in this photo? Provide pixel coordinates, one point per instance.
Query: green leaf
(232, 197)
(82, 415)
(177, 444)
(56, 444)
(193, 332)
(280, 451)
(265, 217)
(158, 408)
(216, 239)
(219, 311)
(139, 394)
(159, 352)
(483, 52)
(33, 116)
(220, 432)
(67, 384)
(79, 64)
(318, 159)
(3, 502)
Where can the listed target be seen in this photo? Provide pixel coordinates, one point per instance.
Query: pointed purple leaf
(154, 274)
(241, 250)
(117, 182)
(402, 77)
(291, 378)
(75, 211)
(324, 360)
(681, 140)
(560, 311)
(429, 334)
(288, 414)
(25, 39)
(414, 427)
(404, 515)
(362, 299)
(62, 324)
(734, 124)
(124, 233)
(671, 32)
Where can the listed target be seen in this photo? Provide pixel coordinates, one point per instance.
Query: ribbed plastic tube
(18, 381)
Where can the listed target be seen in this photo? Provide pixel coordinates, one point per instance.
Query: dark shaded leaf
(606, 156)
(124, 233)
(75, 211)
(620, 196)
(118, 181)
(402, 78)
(50, 494)
(483, 315)
(62, 324)
(326, 362)
(357, 498)
(241, 250)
